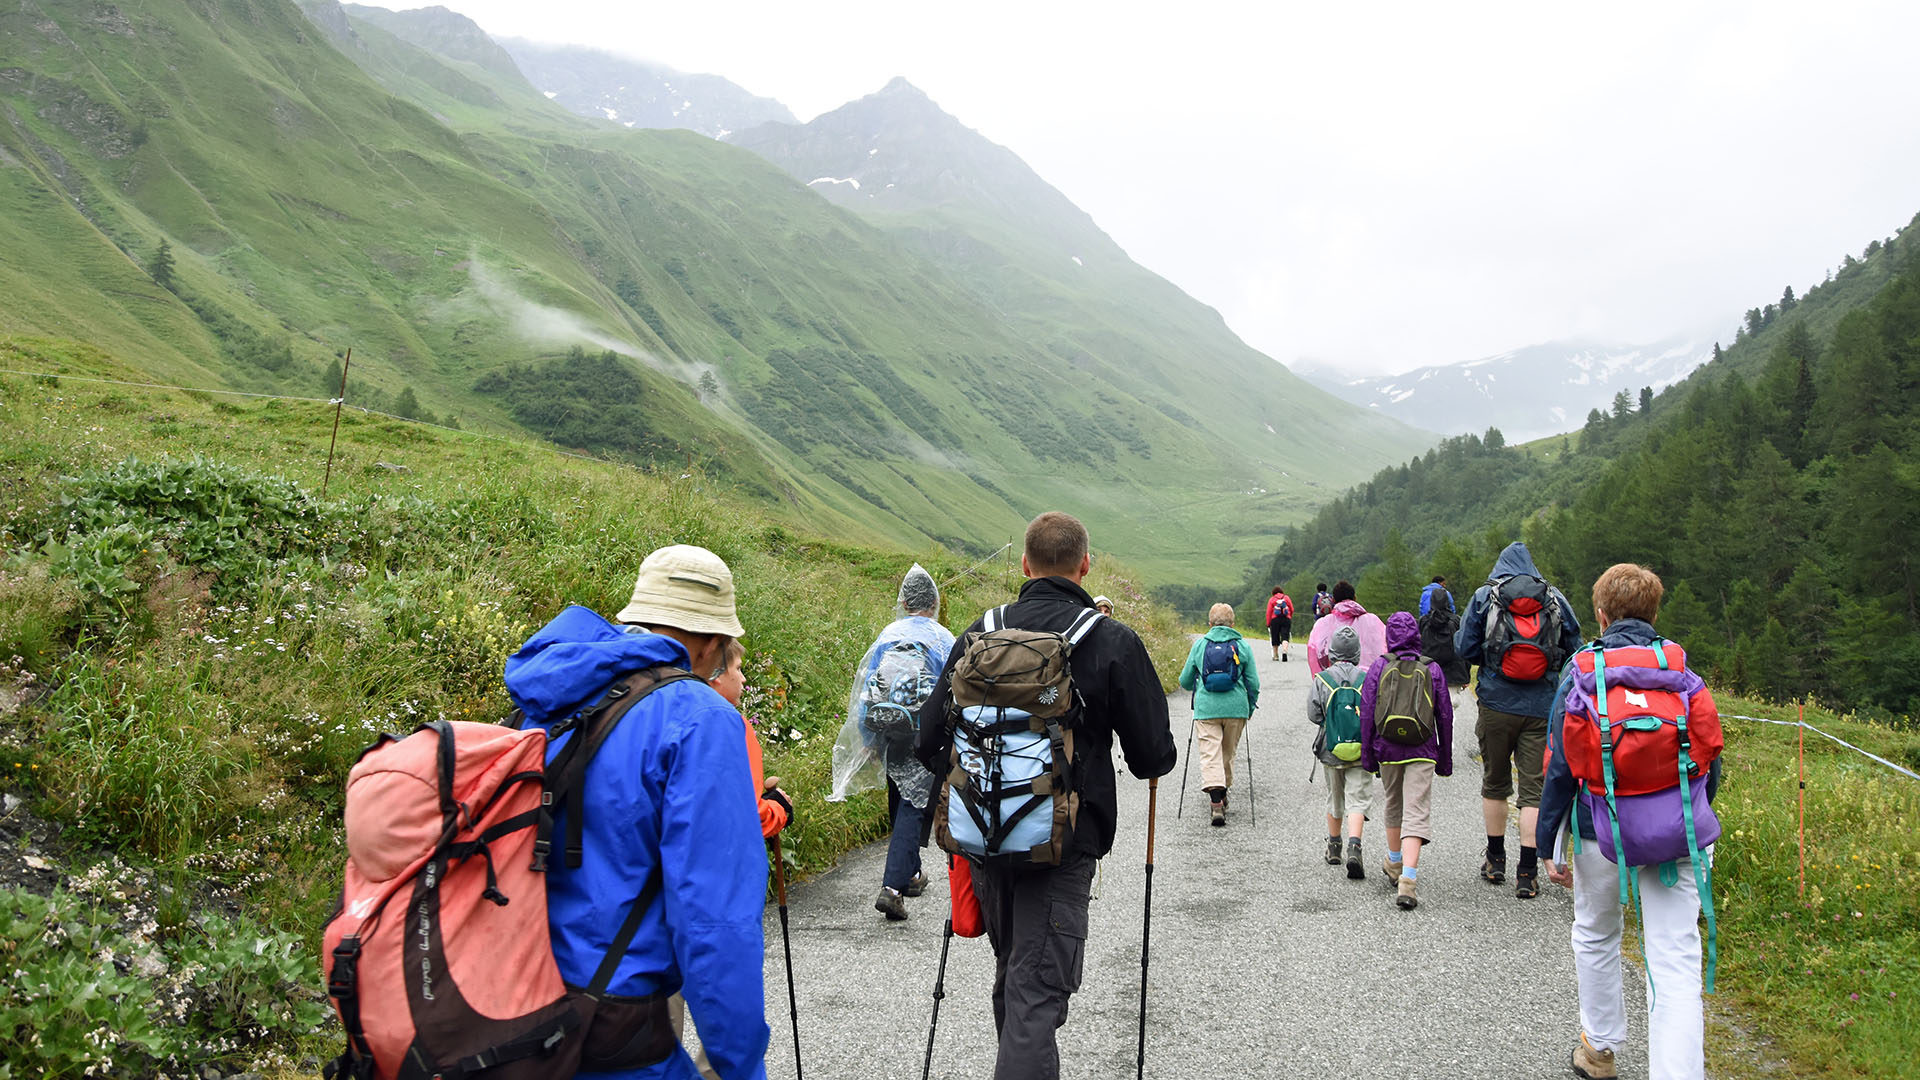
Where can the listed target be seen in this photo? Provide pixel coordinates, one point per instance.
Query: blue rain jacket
(1496, 691)
(665, 790)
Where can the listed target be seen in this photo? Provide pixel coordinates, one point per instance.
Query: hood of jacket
(1349, 609)
(1223, 633)
(1403, 632)
(1516, 559)
(572, 658)
(1344, 646)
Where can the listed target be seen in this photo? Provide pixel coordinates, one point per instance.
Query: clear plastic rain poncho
(895, 677)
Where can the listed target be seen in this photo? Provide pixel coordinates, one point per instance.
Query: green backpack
(1340, 720)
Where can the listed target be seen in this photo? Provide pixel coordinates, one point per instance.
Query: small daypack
(1523, 628)
(1403, 707)
(1009, 794)
(902, 679)
(1340, 719)
(1437, 628)
(438, 957)
(1640, 732)
(1281, 607)
(1322, 604)
(1220, 666)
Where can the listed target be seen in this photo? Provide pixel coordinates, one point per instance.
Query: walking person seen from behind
(1334, 705)
(1406, 738)
(1519, 630)
(1346, 611)
(1280, 622)
(876, 743)
(1645, 830)
(1226, 690)
(1035, 910)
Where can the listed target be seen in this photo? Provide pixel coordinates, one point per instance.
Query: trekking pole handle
(779, 867)
(1153, 800)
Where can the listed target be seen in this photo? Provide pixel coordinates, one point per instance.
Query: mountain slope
(638, 94)
(462, 245)
(1527, 393)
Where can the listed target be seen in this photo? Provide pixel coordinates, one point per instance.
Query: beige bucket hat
(686, 587)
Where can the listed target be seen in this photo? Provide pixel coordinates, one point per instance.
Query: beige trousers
(1218, 740)
(677, 1013)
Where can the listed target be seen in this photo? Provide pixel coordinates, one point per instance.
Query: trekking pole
(939, 991)
(1253, 804)
(786, 944)
(1182, 807)
(1146, 928)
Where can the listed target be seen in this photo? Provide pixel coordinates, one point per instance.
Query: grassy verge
(195, 646)
(1830, 980)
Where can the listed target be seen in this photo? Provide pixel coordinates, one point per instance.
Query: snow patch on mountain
(836, 180)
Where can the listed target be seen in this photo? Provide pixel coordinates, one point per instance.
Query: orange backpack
(438, 957)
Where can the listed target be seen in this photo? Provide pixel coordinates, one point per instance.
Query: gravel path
(1266, 961)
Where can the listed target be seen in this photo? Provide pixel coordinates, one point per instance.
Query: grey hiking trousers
(1037, 921)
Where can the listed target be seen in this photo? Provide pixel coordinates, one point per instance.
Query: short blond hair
(1628, 591)
(1220, 615)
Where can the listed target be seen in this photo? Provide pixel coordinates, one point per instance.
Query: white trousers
(1676, 1023)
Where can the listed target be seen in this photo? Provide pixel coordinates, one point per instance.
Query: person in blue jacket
(667, 813)
(1439, 585)
(1511, 725)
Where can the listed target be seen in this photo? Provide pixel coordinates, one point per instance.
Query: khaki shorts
(1349, 790)
(1409, 790)
(1510, 743)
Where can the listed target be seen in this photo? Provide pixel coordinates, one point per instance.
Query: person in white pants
(1676, 1021)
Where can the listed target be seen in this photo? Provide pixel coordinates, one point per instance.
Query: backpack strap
(617, 949)
(566, 775)
(1083, 625)
(994, 619)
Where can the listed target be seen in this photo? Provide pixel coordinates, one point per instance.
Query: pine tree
(160, 267)
(406, 404)
(1495, 440)
(1622, 405)
(709, 386)
(1646, 400)
(1787, 300)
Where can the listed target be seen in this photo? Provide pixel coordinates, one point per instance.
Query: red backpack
(438, 957)
(1523, 629)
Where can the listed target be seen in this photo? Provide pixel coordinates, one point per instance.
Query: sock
(1529, 859)
(1496, 847)
(1411, 873)
(1393, 856)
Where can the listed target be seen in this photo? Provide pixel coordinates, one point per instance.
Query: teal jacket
(1237, 702)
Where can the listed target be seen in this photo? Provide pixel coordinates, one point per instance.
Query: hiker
(1626, 601)
(1406, 738)
(1103, 605)
(1322, 601)
(1226, 690)
(883, 720)
(1346, 611)
(730, 681)
(1519, 630)
(1334, 706)
(1036, 915)
(1436, 590)
(1438, 624)
(1280, 622)
(669, 829)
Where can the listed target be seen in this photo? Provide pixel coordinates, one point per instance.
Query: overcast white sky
(1382, 186)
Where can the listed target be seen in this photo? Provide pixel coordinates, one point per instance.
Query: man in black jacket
(1037, 917)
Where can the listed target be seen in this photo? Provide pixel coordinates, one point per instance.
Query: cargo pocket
(1066, 945)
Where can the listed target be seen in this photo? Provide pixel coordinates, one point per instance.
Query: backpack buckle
(541, 849)
(346, 957)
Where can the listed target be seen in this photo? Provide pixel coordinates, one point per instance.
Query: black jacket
(1115, 677)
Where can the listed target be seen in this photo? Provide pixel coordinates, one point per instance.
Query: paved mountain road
(1266, 961)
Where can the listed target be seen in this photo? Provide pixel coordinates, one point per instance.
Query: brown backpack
(1403, 707)
(1011, 716)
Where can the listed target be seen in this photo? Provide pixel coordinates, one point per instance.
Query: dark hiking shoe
(1526, 884)
(1493, 870)
(1404, 895)
(1592, 1064)
(1354, 870)
(1333, 851)
(891, 905)
(1219, 815)
(917, 885)
(1283, 658)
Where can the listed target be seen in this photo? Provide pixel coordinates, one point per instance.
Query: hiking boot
(1354, 870)
(1493, 870)
(1593, 1064)
(1393, 869)
(1219, 815)
(917, 885)
(1333, 851)
(1526, 884)
(891, 905)
(1283, 658)
(1405, 897)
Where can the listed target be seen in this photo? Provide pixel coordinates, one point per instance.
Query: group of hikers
(628, 814)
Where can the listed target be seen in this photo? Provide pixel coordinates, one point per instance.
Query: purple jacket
(1403, 640)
